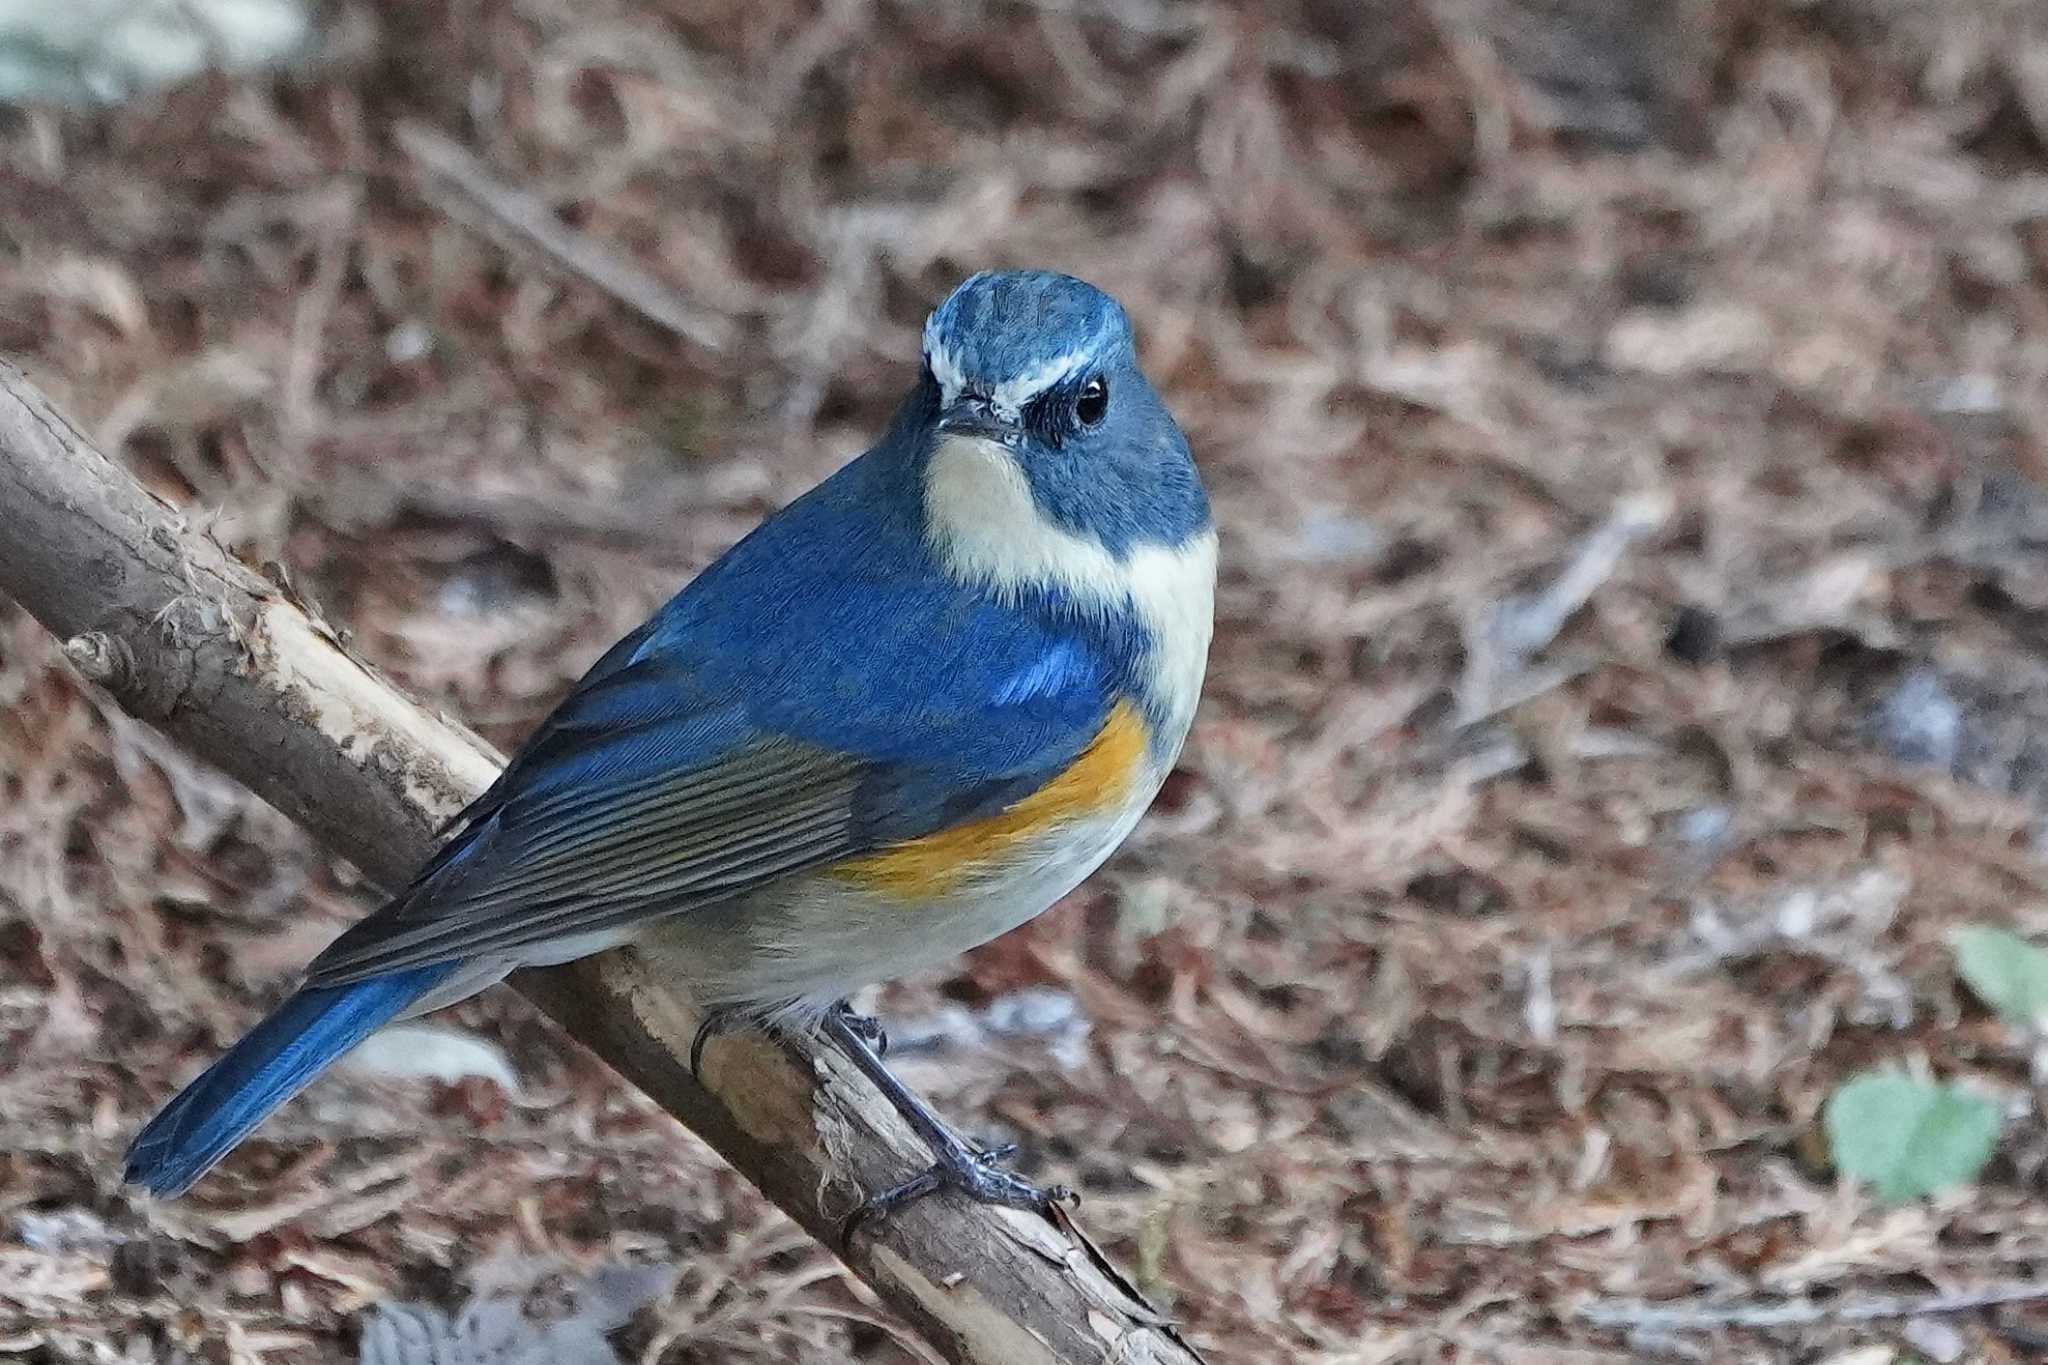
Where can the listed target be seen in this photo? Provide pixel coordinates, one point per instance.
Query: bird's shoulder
(836, 623)
(832, 626)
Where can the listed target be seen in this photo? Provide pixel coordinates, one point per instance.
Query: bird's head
(1042, 429)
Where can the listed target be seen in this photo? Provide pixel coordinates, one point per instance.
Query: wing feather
(664, 846)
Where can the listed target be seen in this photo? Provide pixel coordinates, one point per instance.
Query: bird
(902, 716)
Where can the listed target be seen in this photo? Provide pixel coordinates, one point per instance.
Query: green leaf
(1907, 1137)
(2006, 972)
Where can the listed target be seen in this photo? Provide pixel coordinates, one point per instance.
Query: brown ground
(1476, 978)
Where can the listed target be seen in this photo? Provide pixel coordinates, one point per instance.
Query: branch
(234, 668)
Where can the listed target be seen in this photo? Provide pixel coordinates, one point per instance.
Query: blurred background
(1590, 923)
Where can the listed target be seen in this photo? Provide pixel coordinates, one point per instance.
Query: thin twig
(1764, 1313)
(519, 221)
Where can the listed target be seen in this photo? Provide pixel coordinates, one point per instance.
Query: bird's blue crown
(1019, 325)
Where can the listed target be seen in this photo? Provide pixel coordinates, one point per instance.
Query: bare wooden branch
(231, 666)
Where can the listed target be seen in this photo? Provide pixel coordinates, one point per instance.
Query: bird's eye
(1092, 404)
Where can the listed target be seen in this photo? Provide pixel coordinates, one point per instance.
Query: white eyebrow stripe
(945, 368)
(1010, 396)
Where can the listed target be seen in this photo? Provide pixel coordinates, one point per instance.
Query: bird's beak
(974, 415)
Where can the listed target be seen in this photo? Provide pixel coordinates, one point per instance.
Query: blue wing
(821, 692)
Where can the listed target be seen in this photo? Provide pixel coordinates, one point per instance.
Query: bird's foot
(978, 1175)
(956, 1166)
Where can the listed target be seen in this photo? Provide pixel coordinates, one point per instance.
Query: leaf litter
(1628, 674)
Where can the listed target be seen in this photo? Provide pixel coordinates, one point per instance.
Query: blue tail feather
(280, 1056)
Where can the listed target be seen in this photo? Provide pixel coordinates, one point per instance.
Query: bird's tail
(278, 1058)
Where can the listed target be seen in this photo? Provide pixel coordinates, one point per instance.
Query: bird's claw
(716, 1022)
(978, 1175)
(955, 1166)
(865, 1027)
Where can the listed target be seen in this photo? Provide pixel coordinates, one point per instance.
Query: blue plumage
(832, 625)
(298, 1040)
(903, 659)
(1002, 323)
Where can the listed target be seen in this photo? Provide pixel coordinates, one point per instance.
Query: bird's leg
(956, 1166)
(723, 1019)
(866, 1025)
(720, 1020)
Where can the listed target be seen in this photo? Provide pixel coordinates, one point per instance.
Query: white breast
(987, 530)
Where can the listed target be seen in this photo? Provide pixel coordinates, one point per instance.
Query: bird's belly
(805, 943)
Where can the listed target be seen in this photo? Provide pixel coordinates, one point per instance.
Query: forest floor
(1629, 667)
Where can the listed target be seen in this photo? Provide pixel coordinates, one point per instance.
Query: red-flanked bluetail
(903, 716)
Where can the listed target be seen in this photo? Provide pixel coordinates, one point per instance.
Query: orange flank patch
(1095, 782)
